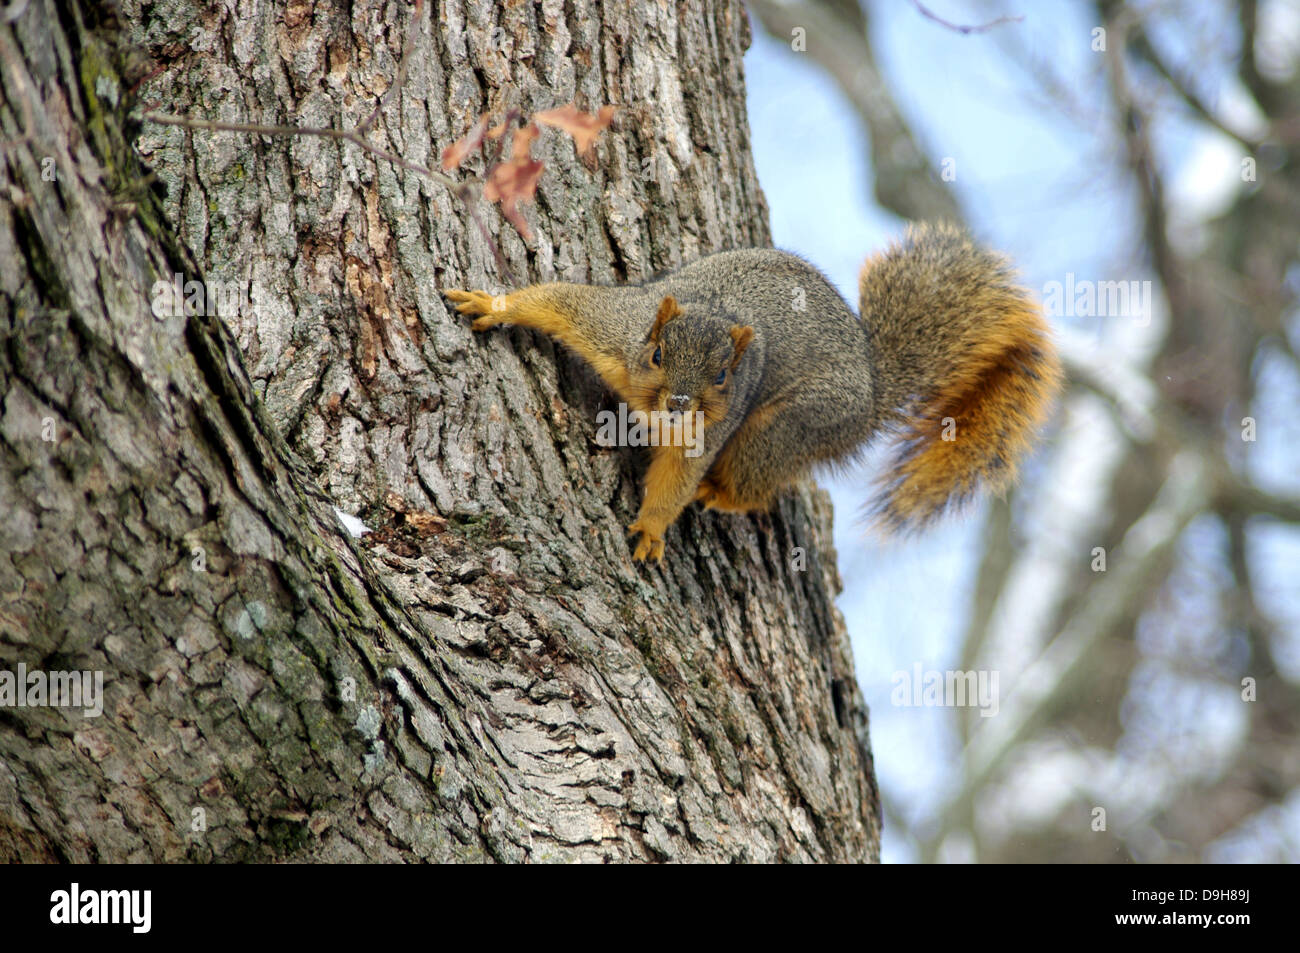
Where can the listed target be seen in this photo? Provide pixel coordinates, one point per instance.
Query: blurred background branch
(1158, 680)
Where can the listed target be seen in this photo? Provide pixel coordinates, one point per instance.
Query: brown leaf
(455, 153)
(584, 127)
(515, 180)
(522, 144)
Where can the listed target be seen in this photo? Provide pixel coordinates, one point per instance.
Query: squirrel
(950, 357)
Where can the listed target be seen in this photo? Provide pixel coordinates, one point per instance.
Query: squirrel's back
(809, 330)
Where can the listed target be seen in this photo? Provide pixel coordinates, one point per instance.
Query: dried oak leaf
(584, 127)
(515, 180)
(455, 153)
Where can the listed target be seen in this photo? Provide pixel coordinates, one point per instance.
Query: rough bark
(508, 686)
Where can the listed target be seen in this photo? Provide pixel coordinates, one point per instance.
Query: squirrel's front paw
(487, 310)
(651, 544)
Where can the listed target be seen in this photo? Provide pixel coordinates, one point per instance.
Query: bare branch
(1130, 392)
(905, 179)
(1143, 47)
(1146, 545)
(1241, 497)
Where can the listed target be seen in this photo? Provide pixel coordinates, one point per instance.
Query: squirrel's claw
(650, 546)
(487, 310)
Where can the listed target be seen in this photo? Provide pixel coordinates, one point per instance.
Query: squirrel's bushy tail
(964, 370)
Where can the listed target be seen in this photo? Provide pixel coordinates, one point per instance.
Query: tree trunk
(488, 675)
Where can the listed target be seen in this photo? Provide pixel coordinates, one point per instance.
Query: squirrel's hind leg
(778, 443)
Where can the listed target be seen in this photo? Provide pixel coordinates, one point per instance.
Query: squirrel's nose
(679, 402)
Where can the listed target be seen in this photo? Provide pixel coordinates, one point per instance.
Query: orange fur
(667, 311)
(741, 336)
(718, 490)
(997, 395)
(535, 307)
(667, 486)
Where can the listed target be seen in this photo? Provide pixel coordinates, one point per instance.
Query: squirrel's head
(687, 363)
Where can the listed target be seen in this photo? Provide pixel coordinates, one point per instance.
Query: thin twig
(400, 78)
(1239, 496)
(1146, 49)
(346, 134)
(965, 30)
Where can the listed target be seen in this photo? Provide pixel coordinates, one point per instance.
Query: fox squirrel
(950, 356)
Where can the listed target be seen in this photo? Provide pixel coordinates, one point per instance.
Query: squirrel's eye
(658, 357)
(721, 378)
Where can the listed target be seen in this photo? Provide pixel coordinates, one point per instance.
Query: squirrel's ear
(667, 311)
(740, 338)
